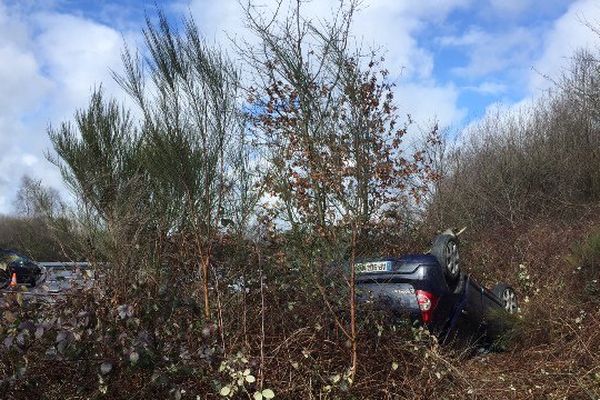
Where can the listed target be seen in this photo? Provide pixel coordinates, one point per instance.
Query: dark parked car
(430, 289)
(27, 270)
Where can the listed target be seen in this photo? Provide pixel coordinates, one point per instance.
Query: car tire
(508, 297)
(445, 250)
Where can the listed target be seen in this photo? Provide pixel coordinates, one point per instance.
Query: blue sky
(451, 60)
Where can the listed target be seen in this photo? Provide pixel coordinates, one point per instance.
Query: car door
(469, 318)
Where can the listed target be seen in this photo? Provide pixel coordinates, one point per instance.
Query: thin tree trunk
(353, 330)
(205, 263)
(220, 314)
(262, 325)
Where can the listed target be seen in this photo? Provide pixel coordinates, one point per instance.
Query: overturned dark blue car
(430, 289)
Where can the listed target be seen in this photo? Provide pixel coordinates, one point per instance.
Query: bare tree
(35, 199)
(325, 116)
(516, 165)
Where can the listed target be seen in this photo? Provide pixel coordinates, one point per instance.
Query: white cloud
(489, 53)
(472, 37)
(489, 88)
(395, 25)
(388, 24)
(49, 64)
(29, 159)
(50, 61)
(510, 6)
(22, 87)
(428, 104)
(392, 28)
(392, 25)
(20, 79)
(568, 34)
(77, 54)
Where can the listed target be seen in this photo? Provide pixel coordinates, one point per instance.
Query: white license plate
(374, 266)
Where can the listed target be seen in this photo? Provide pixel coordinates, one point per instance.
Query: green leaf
(257, 396)
(268, 394)
(395, 365)
(250, 379)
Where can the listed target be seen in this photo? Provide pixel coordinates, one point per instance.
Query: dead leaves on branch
(333, 143)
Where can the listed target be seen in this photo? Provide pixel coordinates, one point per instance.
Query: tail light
(427, 303)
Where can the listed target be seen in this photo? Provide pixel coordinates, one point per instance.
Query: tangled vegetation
(225, 203)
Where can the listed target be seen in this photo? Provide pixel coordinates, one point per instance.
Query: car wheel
(445, 250)
(508, 297)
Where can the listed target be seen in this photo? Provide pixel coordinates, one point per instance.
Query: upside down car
(430, 289)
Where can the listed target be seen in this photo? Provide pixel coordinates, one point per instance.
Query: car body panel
(462, 310)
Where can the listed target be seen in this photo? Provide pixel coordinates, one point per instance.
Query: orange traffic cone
(13, 280)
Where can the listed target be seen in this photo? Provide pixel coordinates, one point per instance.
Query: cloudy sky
(451, 59)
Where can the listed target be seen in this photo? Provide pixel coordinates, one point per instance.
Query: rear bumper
(397, 300)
